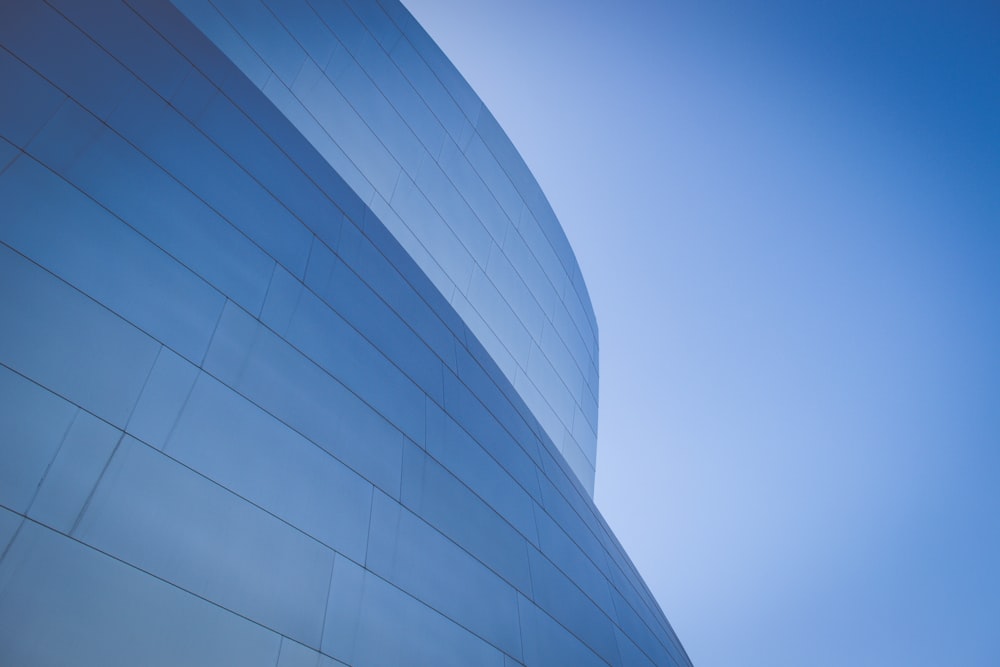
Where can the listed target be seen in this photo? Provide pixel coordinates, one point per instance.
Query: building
(297, 365)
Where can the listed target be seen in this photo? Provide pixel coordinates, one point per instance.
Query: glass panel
(497, 313)
(130, 40)
(494, 176)
(383, 119)
(37, 100)
(233, 442)
(294, 654)
(283, 296)
(120, 178)
(160, 516)
(451, 205)
(423, 562)
(510, 284)
(638, 632)
(548, 643)
(90, 76)
(8, 153)
(64, 231)
(68, 343)
(73, 474)
(162, 398)
(332, 110)
(278, 378)
(574, 562)
(188, 155)
(567, 518)
(343, 170)
(67, 604)
(363, 605)
(467, 460)
(355, 362)
(9, 523)
(557, 595)
(69, 132)
(238, 136)
(430, 88)
(440, 499)
(419, 215)
(33, 422)
(526, 266)
(400, 93)
(465, 408)
(491, 215)
(377, 23)
(391, 325)
(261, 30)
(208, 19)
(302, 22)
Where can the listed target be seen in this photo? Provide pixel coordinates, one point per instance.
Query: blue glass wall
(386, 109)
(240, 424)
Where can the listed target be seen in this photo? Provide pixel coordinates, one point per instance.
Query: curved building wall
(389, 112)
(240, 425)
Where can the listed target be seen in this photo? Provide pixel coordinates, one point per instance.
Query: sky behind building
(788, 218)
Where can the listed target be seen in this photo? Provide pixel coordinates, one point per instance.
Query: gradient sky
(788, 217)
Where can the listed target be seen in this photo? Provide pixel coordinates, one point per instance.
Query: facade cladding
(296, 364)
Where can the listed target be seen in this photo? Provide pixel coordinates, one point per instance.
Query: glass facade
(297, 366)
(387, 110)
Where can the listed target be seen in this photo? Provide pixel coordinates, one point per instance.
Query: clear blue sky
(788, 216)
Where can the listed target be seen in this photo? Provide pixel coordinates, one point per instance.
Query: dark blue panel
(165, 211)
(223, 35)
(91, 76)
(128, 39)
(37, 100)
(69, 132)
(8, 153)
(57, 226)
(68, 343)
(151, 125)
(269, 39)
(237, 135)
